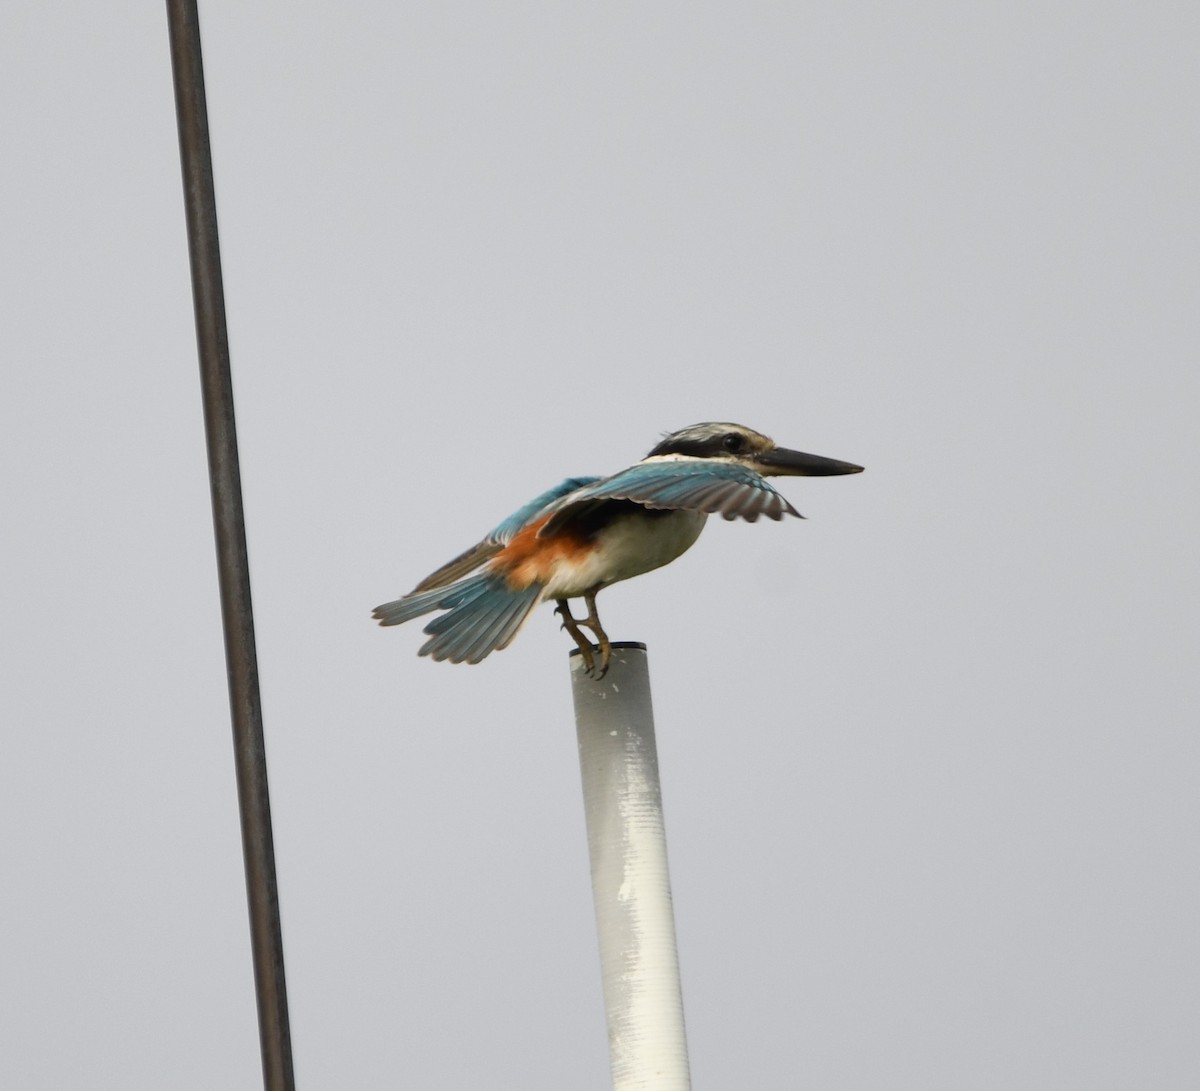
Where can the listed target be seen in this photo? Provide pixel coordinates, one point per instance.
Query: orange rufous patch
(529, 559)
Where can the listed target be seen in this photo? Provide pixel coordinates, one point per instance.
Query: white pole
(627, 843)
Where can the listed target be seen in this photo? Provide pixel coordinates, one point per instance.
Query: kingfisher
(590, 532)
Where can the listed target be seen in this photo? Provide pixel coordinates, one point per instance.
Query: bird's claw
(586, 647)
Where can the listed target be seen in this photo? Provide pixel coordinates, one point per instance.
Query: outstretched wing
(472, 558)
(716, 488)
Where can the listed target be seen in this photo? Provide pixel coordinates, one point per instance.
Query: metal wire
(230, 530)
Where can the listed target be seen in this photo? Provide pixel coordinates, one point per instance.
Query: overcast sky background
(930, 757)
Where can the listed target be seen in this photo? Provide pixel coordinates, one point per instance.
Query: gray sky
(929, 757)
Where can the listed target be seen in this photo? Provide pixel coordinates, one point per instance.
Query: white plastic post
(627, 843)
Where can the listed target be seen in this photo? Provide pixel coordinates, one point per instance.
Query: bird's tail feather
(483, 615)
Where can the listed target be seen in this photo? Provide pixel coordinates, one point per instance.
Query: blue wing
(472, 558)
(483, 614)
(716, 488)
(506, 531)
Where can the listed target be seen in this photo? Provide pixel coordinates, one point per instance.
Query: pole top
(616, 644)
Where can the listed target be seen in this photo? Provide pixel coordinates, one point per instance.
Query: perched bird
(590, 532)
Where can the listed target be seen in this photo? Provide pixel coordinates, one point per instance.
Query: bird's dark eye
(733, 443)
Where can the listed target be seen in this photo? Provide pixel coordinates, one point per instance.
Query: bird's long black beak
(780, 462)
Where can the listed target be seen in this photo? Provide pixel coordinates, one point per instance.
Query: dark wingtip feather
(389, 613)
(416, 603)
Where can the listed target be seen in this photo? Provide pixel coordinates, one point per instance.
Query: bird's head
(727, 442)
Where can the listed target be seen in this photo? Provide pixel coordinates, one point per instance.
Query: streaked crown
(714, 439)
(721, 441)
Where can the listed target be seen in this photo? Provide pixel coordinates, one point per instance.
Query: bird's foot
(586, 648)
(592, 621)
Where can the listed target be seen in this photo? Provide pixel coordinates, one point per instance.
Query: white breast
(628, 547)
